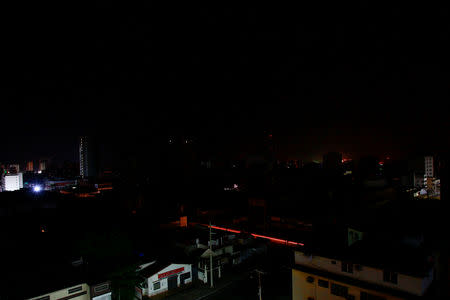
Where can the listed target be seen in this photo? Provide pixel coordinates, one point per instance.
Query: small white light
(37, 188)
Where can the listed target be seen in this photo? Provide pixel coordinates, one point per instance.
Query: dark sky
(358, 79)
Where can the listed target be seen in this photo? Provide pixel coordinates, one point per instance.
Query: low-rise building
(161, 277)
(228, 248)
(365, 270)
(76, 292)
(55, 277)
(82, 291)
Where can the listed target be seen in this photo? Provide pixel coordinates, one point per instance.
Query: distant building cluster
(47, 175)
(16, 176)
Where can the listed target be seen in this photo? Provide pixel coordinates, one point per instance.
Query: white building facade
(13, 182)
(84, 291)
(168, 278)
(77, 292)
(321, 278)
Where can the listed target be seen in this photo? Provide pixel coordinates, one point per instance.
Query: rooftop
(356, 282)
(154, 267)
(386, 255)
(53, 276)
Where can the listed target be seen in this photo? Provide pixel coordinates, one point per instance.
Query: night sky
(357, 79)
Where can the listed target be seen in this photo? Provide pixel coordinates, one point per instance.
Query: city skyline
(218, 151)
(286, 149)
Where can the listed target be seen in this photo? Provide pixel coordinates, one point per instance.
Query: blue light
(37, 189)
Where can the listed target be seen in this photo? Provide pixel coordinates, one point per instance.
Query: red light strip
(268, 237)
(225, 229)
(277, 240)
(260, 236)
(104, 188)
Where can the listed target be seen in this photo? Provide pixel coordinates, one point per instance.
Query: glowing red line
(268, 237)
(260, 236)
(295, 243)
(225, 229)
(104, 188)
(277, 240)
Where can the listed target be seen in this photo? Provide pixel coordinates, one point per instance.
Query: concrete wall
(406, 283)
(302, 289)
(84, 293)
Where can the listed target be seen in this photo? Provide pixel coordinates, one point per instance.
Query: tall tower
(429, 166)
(88, 157)
(83, 157)
(429, 172)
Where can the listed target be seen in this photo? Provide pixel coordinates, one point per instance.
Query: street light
(37, 188)
(259, 283)
(210, 255)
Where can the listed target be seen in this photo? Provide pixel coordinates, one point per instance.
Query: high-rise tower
(88, 159)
